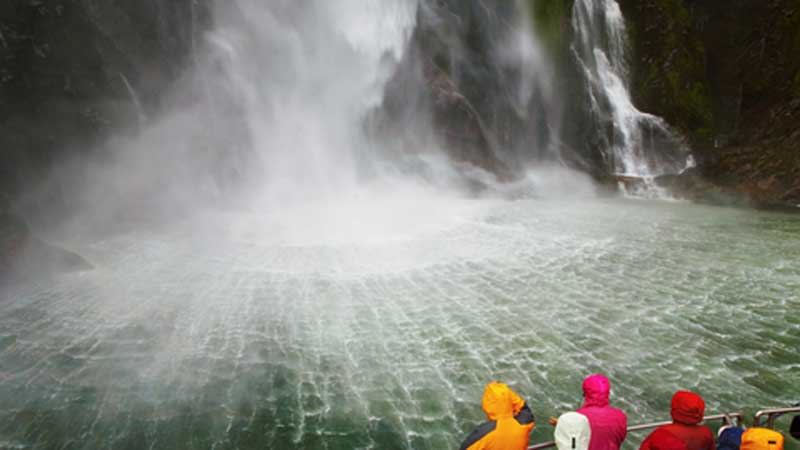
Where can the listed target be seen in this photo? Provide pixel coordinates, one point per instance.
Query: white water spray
(523, 51)
(640, 145)
(304, 76)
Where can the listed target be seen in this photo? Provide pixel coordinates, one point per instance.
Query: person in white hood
(573, 432)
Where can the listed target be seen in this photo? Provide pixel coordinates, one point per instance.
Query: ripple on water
(259, 344)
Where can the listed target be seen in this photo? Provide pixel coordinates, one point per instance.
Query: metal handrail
(726, 419)
(772, 414)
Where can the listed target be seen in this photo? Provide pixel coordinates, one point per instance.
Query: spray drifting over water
(272, 114)
(639, 144)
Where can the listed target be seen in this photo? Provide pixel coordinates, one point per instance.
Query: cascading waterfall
(639, 145)
(301, 77)
(270, 114)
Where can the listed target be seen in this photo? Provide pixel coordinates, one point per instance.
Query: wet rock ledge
(25, 256)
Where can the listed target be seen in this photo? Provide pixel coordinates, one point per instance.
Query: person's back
(687, 413)
(696, 437)
(729, 438)
(609, 425)
(510, 421)
(661, 439)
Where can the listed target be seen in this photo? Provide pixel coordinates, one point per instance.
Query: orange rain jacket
(510, 421)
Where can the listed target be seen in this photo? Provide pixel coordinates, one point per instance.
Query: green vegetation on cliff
(669, 65)
(726, 74)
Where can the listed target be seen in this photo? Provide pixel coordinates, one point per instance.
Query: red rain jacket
(661, 439)
(609, 425)
(687, 413)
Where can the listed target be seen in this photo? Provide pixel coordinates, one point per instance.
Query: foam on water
(247, 338)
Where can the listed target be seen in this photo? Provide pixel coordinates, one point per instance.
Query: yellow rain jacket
(761, 439)
(510, 421)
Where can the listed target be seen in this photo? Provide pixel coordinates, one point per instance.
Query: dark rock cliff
(725, 73)
(484, 104)
(71, 71)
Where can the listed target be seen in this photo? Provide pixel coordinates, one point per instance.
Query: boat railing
(727, 419)
(772, 414)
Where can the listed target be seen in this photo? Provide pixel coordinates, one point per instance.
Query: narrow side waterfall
(639, 145)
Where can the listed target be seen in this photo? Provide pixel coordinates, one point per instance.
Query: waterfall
(536, 99)
(299, 77)
(636, 144)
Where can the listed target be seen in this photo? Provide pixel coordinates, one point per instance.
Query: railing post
(772, 414)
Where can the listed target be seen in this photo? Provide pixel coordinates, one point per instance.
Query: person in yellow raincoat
(510, 421)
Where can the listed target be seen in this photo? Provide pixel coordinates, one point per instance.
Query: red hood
(687, 408)
(595, 391)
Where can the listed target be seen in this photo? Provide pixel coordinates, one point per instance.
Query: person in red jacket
(609, 425)
(687, 413)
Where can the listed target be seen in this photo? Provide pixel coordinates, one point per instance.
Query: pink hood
(595, 391)
(609, 425)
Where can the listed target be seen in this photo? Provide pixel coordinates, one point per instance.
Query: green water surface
(245, 338)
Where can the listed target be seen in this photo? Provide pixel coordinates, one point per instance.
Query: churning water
(378, 328)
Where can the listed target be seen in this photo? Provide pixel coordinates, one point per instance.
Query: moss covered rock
(727, 75)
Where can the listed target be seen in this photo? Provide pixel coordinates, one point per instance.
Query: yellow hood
(500, 402)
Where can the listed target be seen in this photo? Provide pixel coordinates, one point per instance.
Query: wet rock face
(423, 83)
(14, 235)
(726, 74)
(71, 68)
(24, 256)
(453, 70)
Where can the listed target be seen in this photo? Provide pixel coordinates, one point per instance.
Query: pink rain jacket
(609, 425)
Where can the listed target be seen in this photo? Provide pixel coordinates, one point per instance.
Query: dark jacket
(730, 438)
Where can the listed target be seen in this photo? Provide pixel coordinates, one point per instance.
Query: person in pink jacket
(609, 425)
